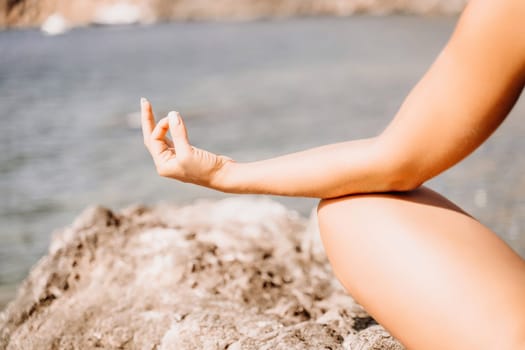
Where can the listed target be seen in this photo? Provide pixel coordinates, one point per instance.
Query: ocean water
(70, 132)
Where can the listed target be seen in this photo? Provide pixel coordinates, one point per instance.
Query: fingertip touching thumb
(178, 130)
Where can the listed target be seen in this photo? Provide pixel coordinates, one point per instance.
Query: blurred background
(253, 79)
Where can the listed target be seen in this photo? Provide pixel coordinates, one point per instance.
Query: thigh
(428, 272)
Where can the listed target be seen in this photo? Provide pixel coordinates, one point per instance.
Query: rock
(373, 337)
(238, 273)
(54, 25)
(117, 14)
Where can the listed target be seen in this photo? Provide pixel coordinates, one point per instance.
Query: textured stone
(239, 273)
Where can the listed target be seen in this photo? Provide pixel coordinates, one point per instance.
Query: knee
(347, 206)
(322, 208)
(326, 208)
(325, 213)
(343, 211)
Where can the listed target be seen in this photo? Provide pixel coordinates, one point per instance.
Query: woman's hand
(176, 158)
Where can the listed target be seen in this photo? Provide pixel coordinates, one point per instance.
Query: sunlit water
(70, 137)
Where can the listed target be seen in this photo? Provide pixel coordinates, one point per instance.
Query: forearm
(324, 172)
(445, 117)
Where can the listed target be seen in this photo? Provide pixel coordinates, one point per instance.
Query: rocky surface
(76, 12)
(239, 273)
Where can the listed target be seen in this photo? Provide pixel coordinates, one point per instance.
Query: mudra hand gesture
(176, 158)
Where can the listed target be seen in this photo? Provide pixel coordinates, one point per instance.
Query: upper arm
(466, 93)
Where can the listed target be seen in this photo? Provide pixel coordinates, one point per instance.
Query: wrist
(223, 180)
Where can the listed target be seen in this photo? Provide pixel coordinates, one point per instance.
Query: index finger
(147, 118)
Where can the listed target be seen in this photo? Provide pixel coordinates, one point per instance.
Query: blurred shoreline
(56, 16)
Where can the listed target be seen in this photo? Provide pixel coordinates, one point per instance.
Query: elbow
(403, 180)
(401, 172)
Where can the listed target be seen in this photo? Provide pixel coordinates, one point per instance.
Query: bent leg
(433, 276)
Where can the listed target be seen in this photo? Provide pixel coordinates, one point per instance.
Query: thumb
(178, 132)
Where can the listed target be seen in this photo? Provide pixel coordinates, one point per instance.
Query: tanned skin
(432, 275)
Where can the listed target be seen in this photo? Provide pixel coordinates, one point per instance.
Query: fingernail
(173, 117)
(143, 100)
